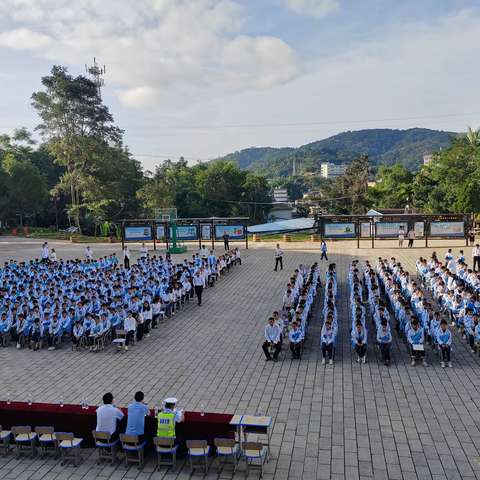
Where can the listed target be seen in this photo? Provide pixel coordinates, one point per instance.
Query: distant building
(280, 195)
(427, 159)
(331, 170)
(282, 209)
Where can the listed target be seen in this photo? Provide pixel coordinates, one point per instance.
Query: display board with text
(339, 230)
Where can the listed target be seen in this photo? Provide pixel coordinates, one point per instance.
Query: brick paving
(347, 421)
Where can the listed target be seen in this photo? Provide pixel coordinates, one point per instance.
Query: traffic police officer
(168, 417)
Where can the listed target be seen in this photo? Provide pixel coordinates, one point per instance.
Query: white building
(427, 159)
(330, 170)
(280, 195)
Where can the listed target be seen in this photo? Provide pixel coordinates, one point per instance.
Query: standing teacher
(278, 258)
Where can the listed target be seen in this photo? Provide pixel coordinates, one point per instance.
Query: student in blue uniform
(359, 341)
(444, 340)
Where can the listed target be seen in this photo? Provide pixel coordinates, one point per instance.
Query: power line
(306, 124)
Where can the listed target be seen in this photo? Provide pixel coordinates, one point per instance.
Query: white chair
(255, 455)
(228, 453)
(5, 437)
(198, 451)
(46, 440)
(165, 447)
(25, 439)
(120, 340)
(69, 447)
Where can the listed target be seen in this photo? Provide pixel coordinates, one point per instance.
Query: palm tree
(473, 137)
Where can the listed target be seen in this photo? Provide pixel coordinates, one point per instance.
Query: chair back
(252, 446)
(166, 442)
(197, 444)
(19, 430)
(224, 442)
(129, 439)
(101, 437)
(62, 436)
(44, 430)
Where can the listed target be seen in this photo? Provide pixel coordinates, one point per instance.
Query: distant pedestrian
(323, 249)
(45, 253)
(401, 236)
(278, 258)
(411, 237)
(226, 238)
(476, 257)
(126, 257)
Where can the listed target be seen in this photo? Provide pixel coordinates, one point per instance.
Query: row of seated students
(417, 320)
(83, 301)
(328, 335)
(295, 314)
(455, 288)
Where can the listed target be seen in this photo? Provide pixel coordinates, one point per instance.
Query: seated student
(54, 332)
(108, 417)
(416, 338)
(146, 315)
(272, 339)
(359, 341)
(77, 333)
(384, 339)
(444, 340)
(328, 340)
(296, 338)
(130, 326)
(36, 334)
(470, 323)
(156, 310)
(137, 411)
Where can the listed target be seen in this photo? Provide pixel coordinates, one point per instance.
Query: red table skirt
(72, 418)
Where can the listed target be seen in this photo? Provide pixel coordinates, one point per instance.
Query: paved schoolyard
(346, 421)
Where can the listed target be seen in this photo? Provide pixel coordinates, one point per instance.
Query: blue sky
(202, 78)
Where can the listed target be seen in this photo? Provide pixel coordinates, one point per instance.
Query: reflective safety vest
(166, 424)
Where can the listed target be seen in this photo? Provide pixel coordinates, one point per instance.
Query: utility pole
(96, 73)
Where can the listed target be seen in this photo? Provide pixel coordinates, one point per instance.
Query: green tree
(394, 187)
(77, 126)
(27, 190)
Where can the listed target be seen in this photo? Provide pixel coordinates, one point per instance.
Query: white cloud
(151, 47)
(24, 39)
(313, 8)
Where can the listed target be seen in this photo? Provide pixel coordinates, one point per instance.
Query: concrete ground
(347, 421)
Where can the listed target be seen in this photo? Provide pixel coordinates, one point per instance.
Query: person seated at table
(444, 340)
(359, 341)
(168, 418)
(328, 336)
(137, 411)
(296, 338)
(416, 338)
(108, 416)
(272, 339)
(384, 339)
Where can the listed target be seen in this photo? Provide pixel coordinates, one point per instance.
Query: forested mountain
(383, 146)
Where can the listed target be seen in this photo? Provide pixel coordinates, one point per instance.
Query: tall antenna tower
(96, 73)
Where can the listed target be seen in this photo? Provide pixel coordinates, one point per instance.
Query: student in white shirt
(476, 257)
(272, 339)
(108, 416)
(53, 255)
(278, 258)
(143, 251)
(88, 253)
(45, 252)
(129, 325)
